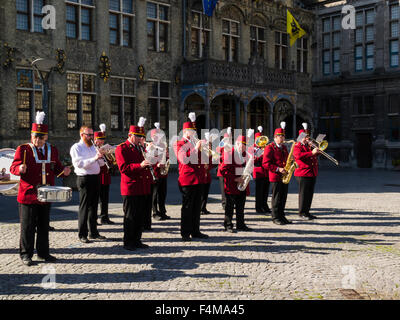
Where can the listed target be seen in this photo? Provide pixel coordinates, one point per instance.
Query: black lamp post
(44, 67)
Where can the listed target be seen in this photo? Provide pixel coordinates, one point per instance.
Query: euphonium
(247, 174)
(290, 166)
(261, 141)
(109, 153)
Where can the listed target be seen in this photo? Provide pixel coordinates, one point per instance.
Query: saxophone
(290, 166)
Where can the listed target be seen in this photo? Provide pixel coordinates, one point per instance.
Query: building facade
(356, 82)
(167, 59)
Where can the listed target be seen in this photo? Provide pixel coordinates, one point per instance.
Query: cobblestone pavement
(352, 251)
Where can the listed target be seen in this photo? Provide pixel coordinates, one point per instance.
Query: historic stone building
(356, 82)
(167, 59)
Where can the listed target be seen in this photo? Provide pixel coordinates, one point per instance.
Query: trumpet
(104, 157)
(109, 153)
(142, 148)
(205, 147)
(321, 146)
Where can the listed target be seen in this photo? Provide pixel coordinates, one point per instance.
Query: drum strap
(42, 162)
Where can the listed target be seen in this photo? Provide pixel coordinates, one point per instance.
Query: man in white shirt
(87, 161)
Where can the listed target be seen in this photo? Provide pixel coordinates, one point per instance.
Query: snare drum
(54, 194)
(10, 187)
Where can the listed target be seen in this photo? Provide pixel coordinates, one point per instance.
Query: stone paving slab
(351, 251)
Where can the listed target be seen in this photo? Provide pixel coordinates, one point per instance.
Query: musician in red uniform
(105, 178)
(37, 163)
(260, 176)
(275, 157)
(232, 169)
(159, 187)
(136, 180)
(207, 178)
(220, 149)
(306, 173)
(190, 177)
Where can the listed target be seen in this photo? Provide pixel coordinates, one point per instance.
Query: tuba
(290, 166)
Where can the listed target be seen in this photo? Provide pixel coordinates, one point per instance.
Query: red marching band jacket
(189, 173)
(258, 172)
(105, 176)
(27, 193)
(229, 172)
(135, 180)
(306, 161)
(274, 157)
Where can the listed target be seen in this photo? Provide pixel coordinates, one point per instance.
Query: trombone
(321, 146)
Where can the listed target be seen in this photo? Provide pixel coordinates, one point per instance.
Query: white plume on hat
(260, 129)
(229, 130)
(141, 122)
(102, 127)
(207, 136)
(250, 133)
(40, 117)
(305, 125)
(157, 125)
(283, 125)
(192, 116)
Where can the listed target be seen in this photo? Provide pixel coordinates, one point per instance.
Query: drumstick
(24, 156)
(62, 172)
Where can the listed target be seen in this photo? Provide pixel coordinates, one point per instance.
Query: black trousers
(306, 193)
(238, 202)
(34, 218)
(89, 189)
(204, 196)
(279, 196)
(262, 190)
(134, 215)
(221, 185)
(104, 196)
(190, 212)
(146, 208)
(159, 194)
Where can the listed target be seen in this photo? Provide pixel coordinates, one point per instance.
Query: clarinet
(150, 167)
(104, 158)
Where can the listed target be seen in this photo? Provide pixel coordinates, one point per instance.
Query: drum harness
(43, 162)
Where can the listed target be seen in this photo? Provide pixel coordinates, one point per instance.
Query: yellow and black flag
(293, 28)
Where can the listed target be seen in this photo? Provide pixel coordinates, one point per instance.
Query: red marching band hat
(39, 128)
(156, 130)
(259, 133)
(192, 123)
(102, 133)
(245, 139)
(280, 131)
(139, 129)
(305, 130)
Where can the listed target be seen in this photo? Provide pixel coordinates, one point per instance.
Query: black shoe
(305, 217)
(107, 222)
(27, 261)
(165, 217)
(186, 238)
(49, 258)
(130, 248)
(157, 217)
(51, 228)
(230, 230)
(267, 210)
(279, 222)
(141, 245)
(200, 235)
(84, 240)
(260, 210)
(205, 212)
(286, 220)
(98, 237)
(244, 228)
